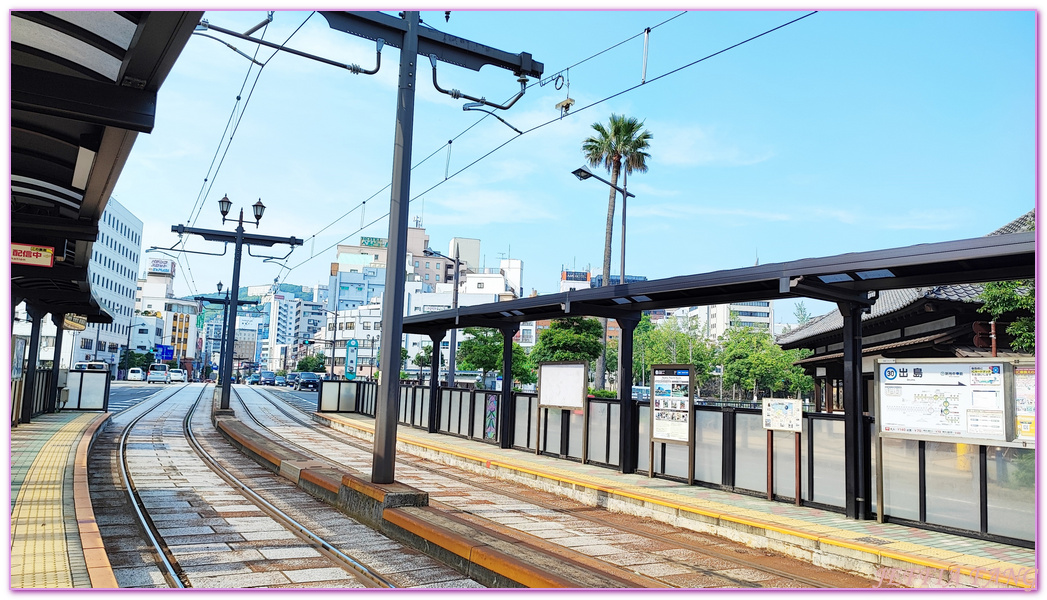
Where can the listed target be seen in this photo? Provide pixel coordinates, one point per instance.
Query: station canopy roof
(853, 277)
(83, 86)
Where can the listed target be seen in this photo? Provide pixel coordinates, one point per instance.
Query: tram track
(188, 560)
(687, 544)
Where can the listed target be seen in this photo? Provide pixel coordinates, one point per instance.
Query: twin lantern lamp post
(239, 238)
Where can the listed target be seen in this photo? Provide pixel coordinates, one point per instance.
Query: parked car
(281, 381)
(91, 366)
(158, 373)
(178, 375)
(135, 374)
(253, 379)
(267, 378)
(307, 381)
(292, 377)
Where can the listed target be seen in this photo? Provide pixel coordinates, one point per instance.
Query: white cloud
(692, 145)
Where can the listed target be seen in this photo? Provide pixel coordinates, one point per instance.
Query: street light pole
(454, 306)
(239, 239)
(127, 350)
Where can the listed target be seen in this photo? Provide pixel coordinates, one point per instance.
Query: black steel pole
(221, 349)
(452, 342)
(231, 320)
(383, 469)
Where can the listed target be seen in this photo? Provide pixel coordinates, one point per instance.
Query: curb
(99, 569)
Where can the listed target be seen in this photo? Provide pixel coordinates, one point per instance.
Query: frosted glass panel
(708, 446)
(615, 434)
(750, 453)
(347, 397)
(952, 484)
(901, 478)
(329, 395)
(455, 416)
(551, 430)
(575, 436)
(784, 464)
(829, 469)
(523, 432)
(675, 459)
(445, 410)
(423, 407)
(644, 447)
(1011, 478)
(597, 450)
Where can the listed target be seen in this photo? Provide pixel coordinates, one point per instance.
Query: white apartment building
(717, 319)
(155, 298)
(113, 269)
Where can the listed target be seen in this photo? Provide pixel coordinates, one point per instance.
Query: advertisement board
(956, 400)
(672, 403)
(1025, 403)
(374, 242)
(161, 265)
(37, 256)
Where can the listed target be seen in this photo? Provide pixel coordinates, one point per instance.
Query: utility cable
(552, 121)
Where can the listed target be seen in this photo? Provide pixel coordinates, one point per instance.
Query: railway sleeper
(402, 513)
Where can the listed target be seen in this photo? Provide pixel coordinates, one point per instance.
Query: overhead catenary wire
(551, 121)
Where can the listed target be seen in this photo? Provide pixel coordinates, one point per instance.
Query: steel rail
(303, 532)
(168, 565)
(811, 582)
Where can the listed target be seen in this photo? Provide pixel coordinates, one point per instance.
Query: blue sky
(844, 131)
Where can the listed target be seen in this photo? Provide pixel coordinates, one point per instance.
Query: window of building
(427, 277)
(438, 277)
(479, 285)
(426, 264)
(86, 343)
(350, 325)
(367, 324)
(416, 264)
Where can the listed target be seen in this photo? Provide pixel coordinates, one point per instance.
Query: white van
(158, 372)
(135, 374)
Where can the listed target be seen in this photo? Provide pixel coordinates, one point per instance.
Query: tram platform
(55, 542)
(890, 552)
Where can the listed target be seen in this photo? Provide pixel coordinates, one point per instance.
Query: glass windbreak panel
(405, 403)
(480, 401)
(598, 431)
(953, 485)
(347, 397)
(785, 464)
(522, 430)
(750, 453)
(613, 438)
(423, 408)
(328, 396)
(643, 452)
(92, 390)
(551, 430)
(901, 478)
(675, 459)
(575, 436)
(1011, 477)
(445, 410)
(456, 415)
(829, 482)
(708, 446)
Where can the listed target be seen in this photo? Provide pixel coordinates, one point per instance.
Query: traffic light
(308, 342)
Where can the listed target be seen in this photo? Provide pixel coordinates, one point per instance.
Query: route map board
(671, 404)
(954, 400)
(1025, 403)
(783, 414)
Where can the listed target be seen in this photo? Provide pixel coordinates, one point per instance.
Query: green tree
(1018, 300)
(801, 313)
(754, 362)
(483, 352)
(573, 338)
(424, 358)
(312, 364)
(622, 142)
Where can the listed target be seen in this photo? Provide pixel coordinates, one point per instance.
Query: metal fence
(979, 491)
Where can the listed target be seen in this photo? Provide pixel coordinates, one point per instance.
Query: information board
(1025, 403)
(960, 400)
(672, 403)
(563, 384)
(783, 414)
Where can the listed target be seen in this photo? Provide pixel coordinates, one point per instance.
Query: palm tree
(622, 141)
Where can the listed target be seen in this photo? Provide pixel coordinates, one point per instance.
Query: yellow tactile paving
(38, 530)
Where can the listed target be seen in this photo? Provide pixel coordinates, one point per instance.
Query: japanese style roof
(83, 86)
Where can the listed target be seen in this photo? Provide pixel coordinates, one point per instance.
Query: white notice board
(783, 414)
(951, 400)
(563, 384)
